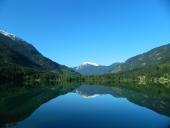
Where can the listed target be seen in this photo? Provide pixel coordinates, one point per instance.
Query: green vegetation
(21, 62)
(150, 67)
(10, 73)
(152, 57)
(158, 74)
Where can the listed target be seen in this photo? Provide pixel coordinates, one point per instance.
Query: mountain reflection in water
(81, 107)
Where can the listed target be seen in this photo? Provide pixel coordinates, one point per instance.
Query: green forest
(23, 63)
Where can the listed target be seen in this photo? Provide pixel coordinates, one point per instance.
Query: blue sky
(102, 31)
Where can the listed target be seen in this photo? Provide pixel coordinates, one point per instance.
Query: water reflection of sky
(105, 111)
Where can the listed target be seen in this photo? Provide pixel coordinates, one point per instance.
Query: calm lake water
(85, 106)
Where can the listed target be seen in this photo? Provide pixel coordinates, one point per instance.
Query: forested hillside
(20, 61)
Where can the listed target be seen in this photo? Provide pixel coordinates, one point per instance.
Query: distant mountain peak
(86, 64)
(89, 63)
(90, 68)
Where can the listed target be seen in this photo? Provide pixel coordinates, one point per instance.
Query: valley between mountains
(22, 62)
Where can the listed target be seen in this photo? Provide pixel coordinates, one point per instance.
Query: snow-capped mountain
(91, 68)
(16, 51)
(12, 36)
(86, 64)
(89, 63)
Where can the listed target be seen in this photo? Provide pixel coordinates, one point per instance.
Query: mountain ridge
(90, 69)
(21, 60)
(152, 57)
(28, 51)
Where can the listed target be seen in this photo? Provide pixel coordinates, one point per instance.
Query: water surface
(90, 106)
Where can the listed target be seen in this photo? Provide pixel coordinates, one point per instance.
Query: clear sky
(103, 31)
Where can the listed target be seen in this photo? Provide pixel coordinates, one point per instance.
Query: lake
(85, 106)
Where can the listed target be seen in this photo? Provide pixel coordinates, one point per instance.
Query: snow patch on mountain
(12, 36)
(87, 63)
(90, 63)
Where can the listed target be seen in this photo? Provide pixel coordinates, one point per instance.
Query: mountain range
(153, 57)
(19, 58)
(16, 50)
(90, 68)
(17, 53)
